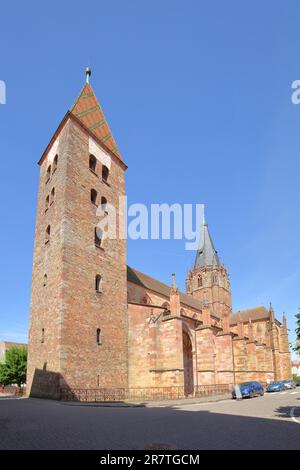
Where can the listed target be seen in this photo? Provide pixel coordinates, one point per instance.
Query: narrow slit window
(48, 231)
(52, 195)
(93, 163)
(55, 163)
(48, 173)
(98, 283)
(104, 205)
(98, 336)
(105, 173)
(98, 236)
(94, 196)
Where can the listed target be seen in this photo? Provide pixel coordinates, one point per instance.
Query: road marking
(293, 416)
(294, 393)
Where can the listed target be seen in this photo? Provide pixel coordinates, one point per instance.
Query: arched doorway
(187, 364)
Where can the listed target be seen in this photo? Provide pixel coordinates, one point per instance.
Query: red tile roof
(10, 344)
(87, 109)
(148, 282)
(257, 313)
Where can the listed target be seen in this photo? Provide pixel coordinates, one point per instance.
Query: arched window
(47, 203)
(48, 230)
(54, 164)
(98, 336)
(199, 281)
(94, 196)
(146, 300)
(98, 283)
(45, 280)
(104, 205)
(93, 163)
(214, 279)
(105, 173)
(98, 237)
(48, 173)
(52, 195)
(43, 335)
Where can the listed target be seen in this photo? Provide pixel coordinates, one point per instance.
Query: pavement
(269, 422)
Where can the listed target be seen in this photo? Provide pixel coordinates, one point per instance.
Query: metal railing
(141, 394)
(208, 390)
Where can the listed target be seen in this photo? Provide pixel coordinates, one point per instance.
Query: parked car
(275, 387)
(250, 389)
(297, 383)
(288, 384)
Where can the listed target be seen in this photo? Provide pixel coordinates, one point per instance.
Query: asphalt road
(269, 422)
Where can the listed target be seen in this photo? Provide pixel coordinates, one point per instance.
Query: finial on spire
(88, 73)
(173, 281)
(284, 319)
(203, 214)
(271, 310)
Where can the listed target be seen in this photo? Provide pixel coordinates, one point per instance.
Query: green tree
(13, 369)
(296, 346)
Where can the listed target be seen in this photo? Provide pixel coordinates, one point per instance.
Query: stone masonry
(96, 322)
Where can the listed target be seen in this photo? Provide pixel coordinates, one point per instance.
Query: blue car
(250, 390)
(275, 387)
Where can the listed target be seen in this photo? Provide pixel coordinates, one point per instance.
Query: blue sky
(198, 96)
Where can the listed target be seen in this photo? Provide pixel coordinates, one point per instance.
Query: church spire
(206, 253)
(87, 109)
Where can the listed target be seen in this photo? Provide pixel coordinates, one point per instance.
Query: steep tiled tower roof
(206, 253)
(87, 109)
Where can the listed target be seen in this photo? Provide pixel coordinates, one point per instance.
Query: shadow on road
(288, 411)
(43, 424)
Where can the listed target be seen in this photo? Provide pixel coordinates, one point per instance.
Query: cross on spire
(88, 73)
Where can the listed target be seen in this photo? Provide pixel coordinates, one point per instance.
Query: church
(97, 323)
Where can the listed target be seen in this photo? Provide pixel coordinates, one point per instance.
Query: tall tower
(208, 280)
(78, 313)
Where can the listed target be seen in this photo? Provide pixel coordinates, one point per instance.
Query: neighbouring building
(96, 322)
(5, 345)
(296, 368)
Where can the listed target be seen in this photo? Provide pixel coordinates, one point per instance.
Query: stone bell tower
(208, 280)
(78, 313)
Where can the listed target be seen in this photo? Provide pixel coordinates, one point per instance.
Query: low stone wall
(13, 390)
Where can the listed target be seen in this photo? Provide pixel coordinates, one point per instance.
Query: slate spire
(206, 253)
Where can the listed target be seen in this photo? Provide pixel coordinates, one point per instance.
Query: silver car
(288, 384)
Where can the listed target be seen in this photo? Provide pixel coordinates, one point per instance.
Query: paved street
(269, 422)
